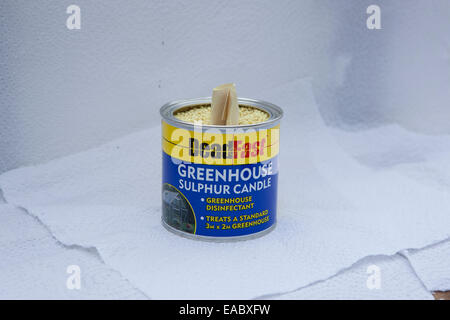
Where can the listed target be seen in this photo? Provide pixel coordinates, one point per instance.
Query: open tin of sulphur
(219, 182)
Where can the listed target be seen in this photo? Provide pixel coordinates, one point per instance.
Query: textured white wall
(64, 90)
(419, 67)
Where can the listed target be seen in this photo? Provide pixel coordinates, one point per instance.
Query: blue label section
(219, 200)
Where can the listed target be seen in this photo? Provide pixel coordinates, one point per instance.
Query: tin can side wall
(216, 216)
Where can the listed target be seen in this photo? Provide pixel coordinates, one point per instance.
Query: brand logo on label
(234, 149)
(231, 147)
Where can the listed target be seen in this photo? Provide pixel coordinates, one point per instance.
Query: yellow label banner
(238, 146)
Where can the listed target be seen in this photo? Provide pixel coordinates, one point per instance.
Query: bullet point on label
(203, 218)
(202, 199)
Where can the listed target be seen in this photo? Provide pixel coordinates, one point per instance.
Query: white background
(63, 90)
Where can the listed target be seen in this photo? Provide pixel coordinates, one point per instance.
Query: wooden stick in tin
(224, 106)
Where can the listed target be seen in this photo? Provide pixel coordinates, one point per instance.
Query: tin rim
(168, 109)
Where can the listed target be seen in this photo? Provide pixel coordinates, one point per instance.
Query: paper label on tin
(229, 148)
(235, 195)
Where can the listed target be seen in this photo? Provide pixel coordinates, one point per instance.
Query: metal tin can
(219, 183)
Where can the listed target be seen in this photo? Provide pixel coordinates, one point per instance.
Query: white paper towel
(34, 266)
(424, 158)
(372, 278)
(432, 265)
(333, 211)
(392, 146)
